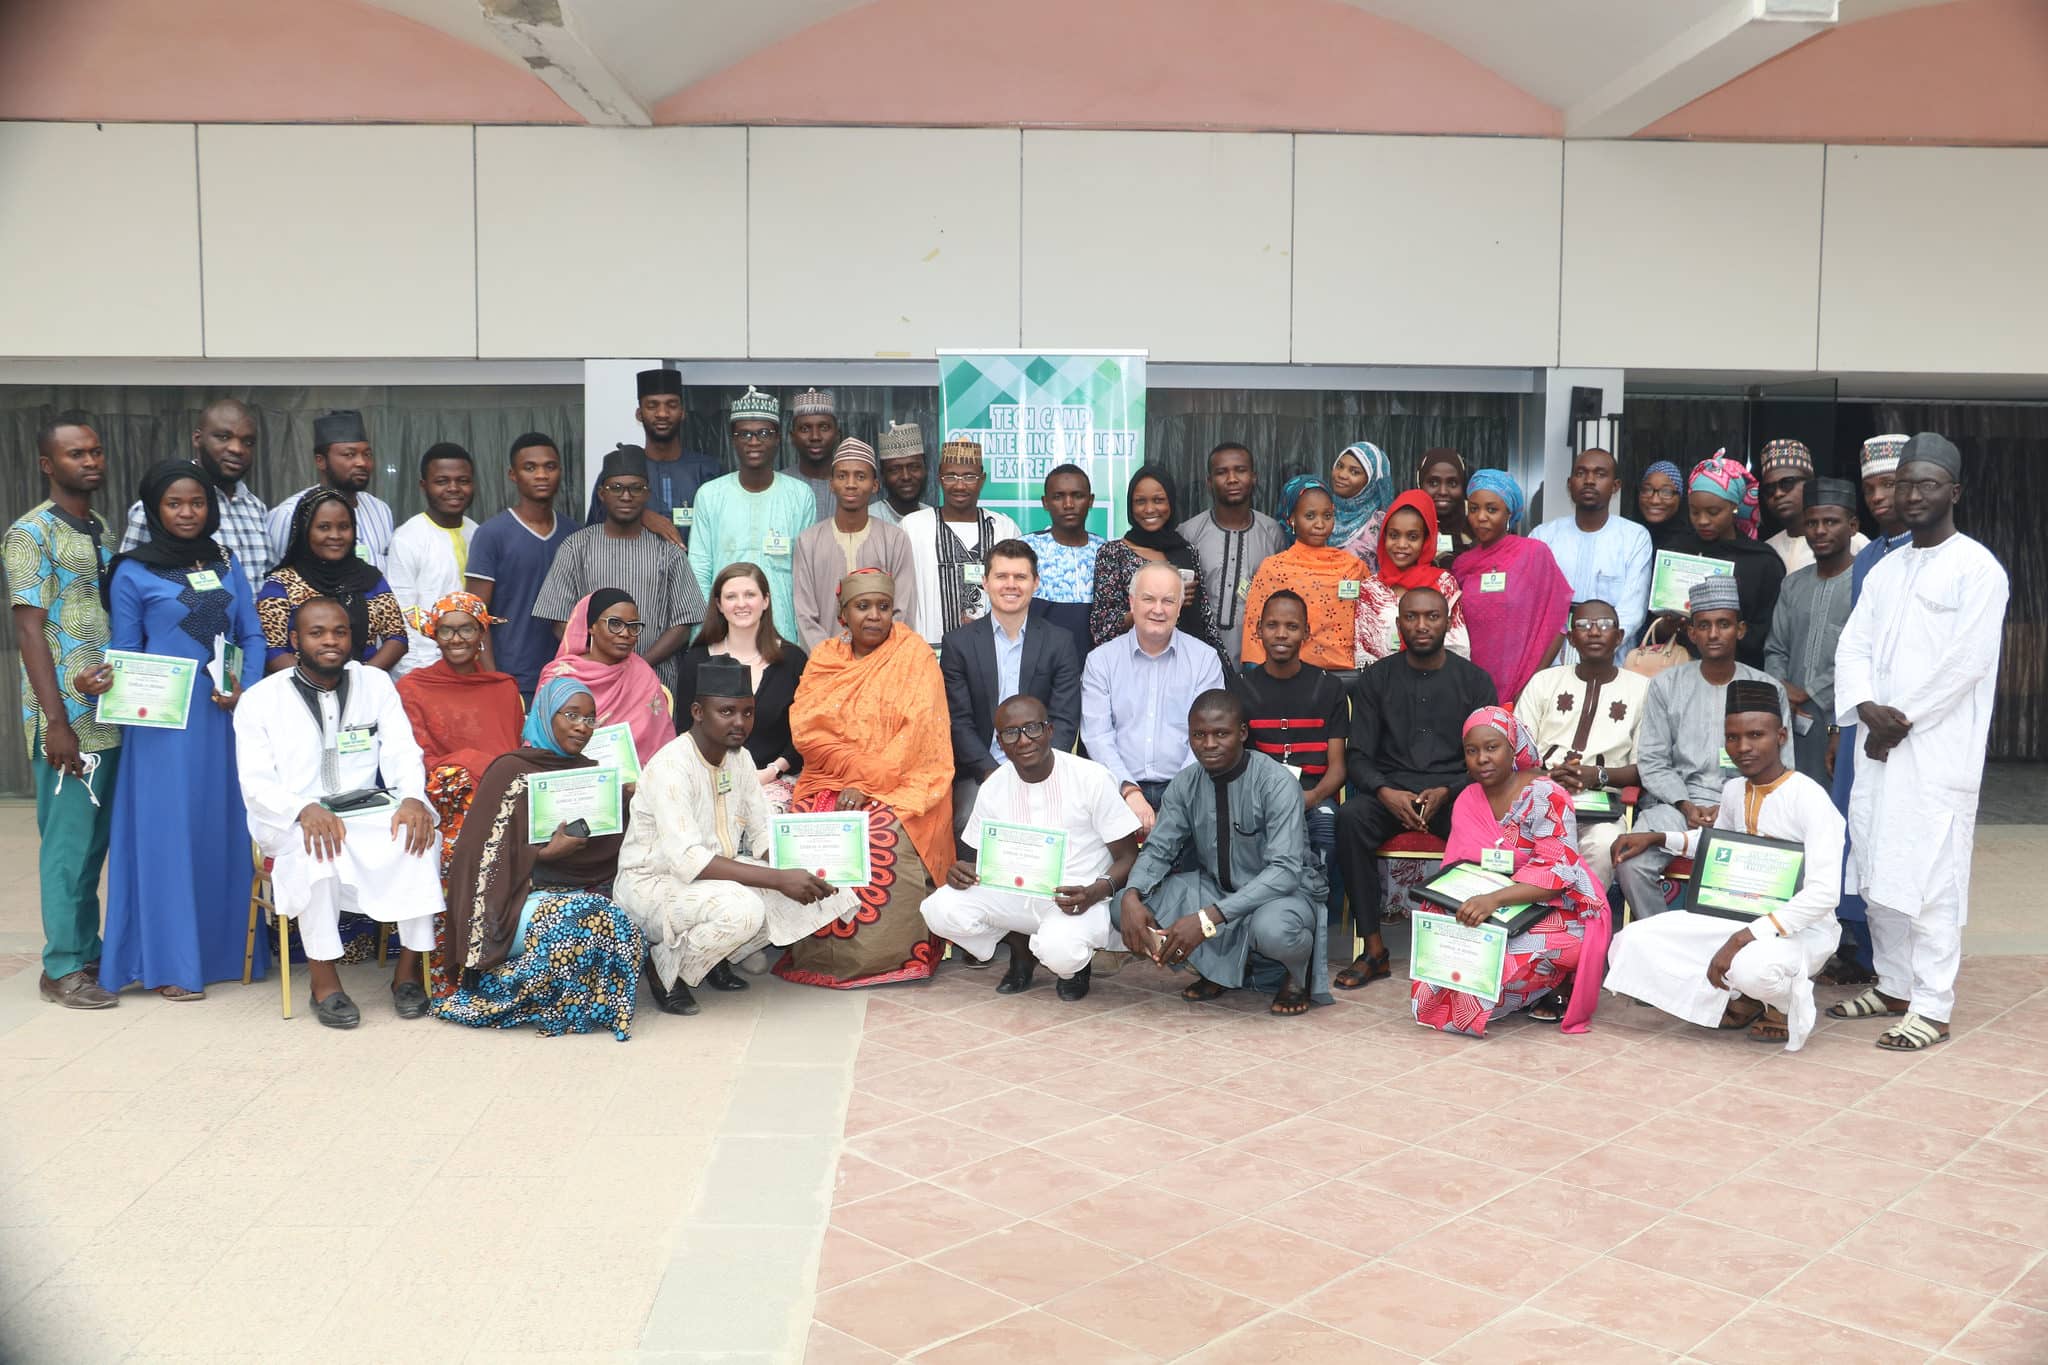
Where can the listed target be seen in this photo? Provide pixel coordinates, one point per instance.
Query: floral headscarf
(1502, 485)
(426, 620)
(1356, 513)
(1501, 719)
(1726, 478)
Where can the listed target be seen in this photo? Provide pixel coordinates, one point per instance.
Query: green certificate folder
(1022, 858)
(611, 746)
(1671, 581)
(1449, 955)
(833, 845)
(1741, 876)
(153, 691)
(589, 794)
(1460, 882)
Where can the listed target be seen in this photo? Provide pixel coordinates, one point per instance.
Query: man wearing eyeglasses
(1046, 792)
(753, 516)
(1584, 717)
(620, 552)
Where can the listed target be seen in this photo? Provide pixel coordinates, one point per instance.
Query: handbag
(1662, 647)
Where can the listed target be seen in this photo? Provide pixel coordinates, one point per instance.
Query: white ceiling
(1564, 52)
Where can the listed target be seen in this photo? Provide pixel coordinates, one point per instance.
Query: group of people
(1223, 720)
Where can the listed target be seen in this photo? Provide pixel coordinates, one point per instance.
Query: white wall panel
(1174, 242)
(1425, 250)
(611, 241)
(865, 242)
(99, 240)
(1937, 260)
(338, 241)
(1691, 255)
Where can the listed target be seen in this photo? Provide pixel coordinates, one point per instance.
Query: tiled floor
(1137, 1179)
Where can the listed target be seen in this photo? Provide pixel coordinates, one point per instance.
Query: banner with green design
(1033, 411)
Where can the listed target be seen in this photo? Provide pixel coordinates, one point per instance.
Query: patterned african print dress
(1542, 833)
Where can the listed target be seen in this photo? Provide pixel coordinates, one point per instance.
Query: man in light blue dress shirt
(1602, 555)
(1136, 690)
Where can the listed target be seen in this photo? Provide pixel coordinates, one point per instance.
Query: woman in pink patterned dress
(1553, 967)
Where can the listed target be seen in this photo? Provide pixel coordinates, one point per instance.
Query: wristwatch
(1603, 774)
(1209, 930)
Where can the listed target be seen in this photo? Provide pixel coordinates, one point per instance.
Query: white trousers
(1917, 956)
(374, 875)
(1662, 960)
(976, 920)
(1596, 848)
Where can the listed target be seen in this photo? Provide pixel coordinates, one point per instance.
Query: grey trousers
(1283, 929)
(1641, 878)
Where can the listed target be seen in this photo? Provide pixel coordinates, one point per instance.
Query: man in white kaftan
(1667, 960)
(1917, 668)
(324, 728)
(691, 872)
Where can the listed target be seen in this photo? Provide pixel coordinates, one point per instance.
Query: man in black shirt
(1299, 715)
(1405, 761)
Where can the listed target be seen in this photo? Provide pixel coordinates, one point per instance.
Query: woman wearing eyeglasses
(597, 650)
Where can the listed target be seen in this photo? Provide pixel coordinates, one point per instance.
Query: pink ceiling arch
(224, 61)
(1971, 71)
(1281, 64)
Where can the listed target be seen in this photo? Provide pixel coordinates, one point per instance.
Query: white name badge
(205, 580)
(1497, 581)
(684, 516)
(1347, 590)
(1499, 860)
(972, 574)
(1244, 587)
(362, 552)
(354, 740)
(1444, 543)
(776, 544)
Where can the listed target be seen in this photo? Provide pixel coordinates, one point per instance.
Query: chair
(1407, 846)
(263, 900)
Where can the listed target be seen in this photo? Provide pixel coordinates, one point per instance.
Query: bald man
(224, 445)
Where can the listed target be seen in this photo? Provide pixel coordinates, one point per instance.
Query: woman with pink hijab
(597, 651)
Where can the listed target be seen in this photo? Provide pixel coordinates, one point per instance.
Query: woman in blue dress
(178, 862)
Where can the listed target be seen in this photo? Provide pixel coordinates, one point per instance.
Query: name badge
(1727, 763)
(724, 782)
(972, 574)
(1497, 581)
(1499, 860)
(1244, 587)
(206, 580)
(1347, 590)
(363, 552)
(684, 516)
(776, 544)
(1444, 543)
(354, 740)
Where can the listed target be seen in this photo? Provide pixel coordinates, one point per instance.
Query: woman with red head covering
(1407, 548)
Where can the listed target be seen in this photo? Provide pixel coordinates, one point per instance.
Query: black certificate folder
(1742, 876)
(1454, 885)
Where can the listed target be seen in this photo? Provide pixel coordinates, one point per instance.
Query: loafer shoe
(337, 1011)
(77, 991)
(1017, 980)
(409, 998)
(1075, 987)
(723, 978)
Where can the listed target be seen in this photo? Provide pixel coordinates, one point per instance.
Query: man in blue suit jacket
(1014, 649)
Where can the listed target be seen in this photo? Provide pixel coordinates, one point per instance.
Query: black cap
(1932, 448)
(1751, 694)
(718, 677)
(660, 381)
(345, 425)
(1831, 493)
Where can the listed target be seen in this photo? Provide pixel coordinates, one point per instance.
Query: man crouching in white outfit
(1760, 976)
(1051, 790)
(325, 729)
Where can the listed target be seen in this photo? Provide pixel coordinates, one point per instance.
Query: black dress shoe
(409, 998)
(337, 1011)
(672, 1000)
(1075, 987)
(1017, 980)
(724, 978)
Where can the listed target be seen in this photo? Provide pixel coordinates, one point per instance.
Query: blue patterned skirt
(576, 969)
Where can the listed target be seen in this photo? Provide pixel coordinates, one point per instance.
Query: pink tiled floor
(1140, 1180)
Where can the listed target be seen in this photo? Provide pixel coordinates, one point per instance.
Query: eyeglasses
(757, 438)
(626, 490)
(1660, 494)
(1030, 729)
(622, 627)
(959, 478)
(1926, 488)
(576, 721)
(457, 632)
(1593, 623)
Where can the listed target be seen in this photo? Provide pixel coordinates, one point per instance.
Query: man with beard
(344, 461)
(673, 474)
(814, 431)
(1602, 555)
(901, 451)
(224, 445)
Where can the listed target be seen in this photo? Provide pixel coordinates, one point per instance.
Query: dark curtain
(140, 425)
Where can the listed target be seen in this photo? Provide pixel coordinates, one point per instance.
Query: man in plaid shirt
(225, 446)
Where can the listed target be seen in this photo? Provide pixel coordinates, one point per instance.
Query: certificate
(1449, 955)
(831, 844)
(153, 691)
(611, 746)
(1671, 581)
(1025, 858)
(1460, 882)
(1741, 876)
(589, 794)
(1597, 802)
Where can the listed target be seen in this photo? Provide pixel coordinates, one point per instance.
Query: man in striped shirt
(343, 459)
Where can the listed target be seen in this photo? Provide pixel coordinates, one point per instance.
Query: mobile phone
(579, 829)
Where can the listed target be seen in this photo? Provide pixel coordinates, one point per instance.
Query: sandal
(1772, 1027)
(1201, 992)
(179, 993)
(1548, 1009)
(1735, 1017)
(1369, 968)
(1869, 1005)
(1292, 1000)
(1911, 1034)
